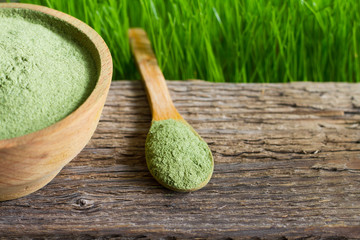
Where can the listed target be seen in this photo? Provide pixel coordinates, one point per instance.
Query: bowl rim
(103, 80)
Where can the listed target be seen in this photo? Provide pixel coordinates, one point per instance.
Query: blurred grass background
(231, 41)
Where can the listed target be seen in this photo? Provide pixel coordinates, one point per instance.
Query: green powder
(44, 74)
(176, 156)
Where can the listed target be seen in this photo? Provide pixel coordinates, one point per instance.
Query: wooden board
(287, 166)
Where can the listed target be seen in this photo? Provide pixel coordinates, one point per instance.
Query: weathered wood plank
(287, 166)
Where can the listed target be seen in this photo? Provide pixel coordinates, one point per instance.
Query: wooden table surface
(287, 166)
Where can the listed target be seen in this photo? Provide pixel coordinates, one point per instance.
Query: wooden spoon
(160, 102)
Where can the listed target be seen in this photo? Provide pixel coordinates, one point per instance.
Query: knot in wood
(85, 203)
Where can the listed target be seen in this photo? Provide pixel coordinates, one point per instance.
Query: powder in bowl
(44, 74)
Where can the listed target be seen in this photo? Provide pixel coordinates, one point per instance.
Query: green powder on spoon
(176, 156)
(44, 74)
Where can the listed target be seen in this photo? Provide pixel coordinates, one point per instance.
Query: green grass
(231, 41)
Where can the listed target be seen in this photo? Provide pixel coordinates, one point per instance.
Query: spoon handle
(161, 105)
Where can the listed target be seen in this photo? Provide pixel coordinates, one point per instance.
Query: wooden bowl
(29, 162)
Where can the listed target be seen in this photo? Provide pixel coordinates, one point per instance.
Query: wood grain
(286, 167)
